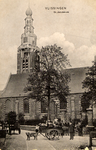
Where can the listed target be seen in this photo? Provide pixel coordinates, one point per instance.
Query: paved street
(62, 144)
(19, 142)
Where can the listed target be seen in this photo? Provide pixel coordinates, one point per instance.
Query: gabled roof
(1, 93)
(17, 82)
(15, 86)
(77, 77)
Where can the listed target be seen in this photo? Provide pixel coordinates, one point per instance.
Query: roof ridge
(78, 68)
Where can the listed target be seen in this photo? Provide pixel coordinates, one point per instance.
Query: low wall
(27, 127)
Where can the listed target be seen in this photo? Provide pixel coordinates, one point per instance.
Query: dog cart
(52, 132)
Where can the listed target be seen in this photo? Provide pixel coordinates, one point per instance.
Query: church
(13, 97)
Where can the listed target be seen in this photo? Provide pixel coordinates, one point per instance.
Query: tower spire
(29, 11)
(26, 56)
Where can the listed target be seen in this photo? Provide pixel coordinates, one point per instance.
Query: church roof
(1, 93)
(77, 77)
(15, 85)
(17, 82)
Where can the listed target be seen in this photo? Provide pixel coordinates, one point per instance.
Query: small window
(25, 55)
(33, 42)
(23, 61)
(25, 39)
(26, 106)
(28, 22)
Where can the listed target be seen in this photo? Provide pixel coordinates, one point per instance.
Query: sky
(73, 27)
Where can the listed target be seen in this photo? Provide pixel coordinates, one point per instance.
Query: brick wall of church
(21, 110)
(2, 109)
(73, 107)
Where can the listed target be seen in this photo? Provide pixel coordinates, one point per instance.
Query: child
(37, 129)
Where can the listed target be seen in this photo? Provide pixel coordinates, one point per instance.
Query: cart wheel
(54, 135)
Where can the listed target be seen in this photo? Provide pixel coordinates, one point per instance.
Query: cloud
(79, 57)
(56, 38)
(83, 56)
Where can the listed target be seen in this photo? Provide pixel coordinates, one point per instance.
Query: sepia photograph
(47, 75)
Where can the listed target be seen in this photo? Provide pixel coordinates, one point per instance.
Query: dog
(31, 135)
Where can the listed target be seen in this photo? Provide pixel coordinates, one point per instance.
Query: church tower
(27, 55)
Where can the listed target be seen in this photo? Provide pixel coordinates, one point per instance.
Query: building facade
(13, 97)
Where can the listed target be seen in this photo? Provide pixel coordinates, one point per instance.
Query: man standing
(71, 130)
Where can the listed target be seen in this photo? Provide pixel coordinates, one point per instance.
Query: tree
(52, 79)
(89, 83)
(85, 100)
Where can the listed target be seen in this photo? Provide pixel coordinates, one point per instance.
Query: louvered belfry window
(26, 106)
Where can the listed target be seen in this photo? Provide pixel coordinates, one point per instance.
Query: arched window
(8, 105)
(63, 105)
(25, 61)
(26, 106)
(44, 106)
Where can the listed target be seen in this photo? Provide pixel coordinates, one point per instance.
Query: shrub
(11, 117)
(21, 118)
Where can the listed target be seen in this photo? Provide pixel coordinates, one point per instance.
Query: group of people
(71, 127)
